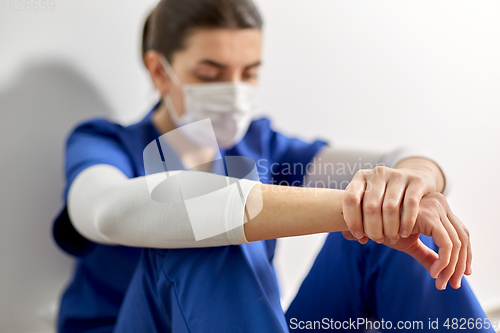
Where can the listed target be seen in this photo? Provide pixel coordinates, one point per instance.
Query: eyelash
(210, 79)
(251, 76)
(206, 78)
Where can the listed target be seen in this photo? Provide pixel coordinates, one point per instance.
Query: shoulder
(260, 126)
(263, 128)
(97, 126)
(96, 141)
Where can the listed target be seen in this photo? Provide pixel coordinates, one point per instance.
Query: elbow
(105, 223)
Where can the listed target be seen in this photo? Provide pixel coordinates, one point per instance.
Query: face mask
(228, 105)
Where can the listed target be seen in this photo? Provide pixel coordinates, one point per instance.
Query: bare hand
(436, 219)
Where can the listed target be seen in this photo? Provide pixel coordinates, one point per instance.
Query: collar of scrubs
(237, 165)
(173, 161)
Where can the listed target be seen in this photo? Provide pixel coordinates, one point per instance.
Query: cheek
(177, 97)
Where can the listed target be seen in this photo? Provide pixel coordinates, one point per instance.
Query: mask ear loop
(170, 71)
(175, 79)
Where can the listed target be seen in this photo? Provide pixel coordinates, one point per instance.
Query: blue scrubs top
(92, 300)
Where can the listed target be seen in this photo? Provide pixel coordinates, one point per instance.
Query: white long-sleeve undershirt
(107, 207)
(335, 167)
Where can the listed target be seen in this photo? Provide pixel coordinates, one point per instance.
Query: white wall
(380, 74)
(374, 74)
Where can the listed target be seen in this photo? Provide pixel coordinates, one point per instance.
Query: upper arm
(335, 167)
(91, 143)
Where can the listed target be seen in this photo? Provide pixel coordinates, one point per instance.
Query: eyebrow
(257, 64)
(221, 66)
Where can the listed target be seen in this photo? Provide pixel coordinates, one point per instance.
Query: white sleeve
(335, 167)
(107, 207)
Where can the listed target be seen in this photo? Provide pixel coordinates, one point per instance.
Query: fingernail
(444, 286)
(379, 241)
(404, 233)
(459, 283)
(358, 235)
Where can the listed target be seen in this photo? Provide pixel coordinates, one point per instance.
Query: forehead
(239, 47)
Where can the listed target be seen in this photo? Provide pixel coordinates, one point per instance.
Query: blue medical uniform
(92, 300)
(233, 288)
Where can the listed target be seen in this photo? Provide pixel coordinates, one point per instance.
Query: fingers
(420, 252)
(412, 197)
(372, 210)
(454, 258)
(465, 258)
(462, 230)
(351, 205)
(382, 204)
(445, 275)
(434, 228)
(363, 240)
(468, 271)
(347, 235)
(391, 208)
(464, 262)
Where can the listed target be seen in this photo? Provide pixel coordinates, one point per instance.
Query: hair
(170, 23)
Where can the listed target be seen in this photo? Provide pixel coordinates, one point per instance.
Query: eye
(251, 75)
(206, 78)
(207, 73)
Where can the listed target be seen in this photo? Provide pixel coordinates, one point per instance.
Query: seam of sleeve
(446, 187)
(232, 234)
(410, 152)
(237, 235)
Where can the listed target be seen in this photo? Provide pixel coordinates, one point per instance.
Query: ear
(158, 75)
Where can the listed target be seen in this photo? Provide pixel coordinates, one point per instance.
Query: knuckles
(416, 180)
(439, 197)
(457, 243)
(411, 201)
(448, 244)
(391, 206)
(371, 207)
(350, 198)
(376, 171)
(381, 169)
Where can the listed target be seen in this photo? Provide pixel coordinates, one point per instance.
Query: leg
(353, 282)
(332, 289)
(219, 289)
(402, 290)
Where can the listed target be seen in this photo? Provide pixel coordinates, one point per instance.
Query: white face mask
(228, 105)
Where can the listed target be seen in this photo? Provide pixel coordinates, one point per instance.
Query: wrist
(333, 205)
(427, 169)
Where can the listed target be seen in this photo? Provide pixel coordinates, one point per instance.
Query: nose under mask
(228, 105)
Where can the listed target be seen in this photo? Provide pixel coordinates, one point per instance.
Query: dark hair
(169, 24)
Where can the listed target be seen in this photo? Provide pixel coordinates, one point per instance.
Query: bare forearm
(427, 166)
(294, 211)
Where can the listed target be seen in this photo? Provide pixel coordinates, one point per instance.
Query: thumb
(421, 253)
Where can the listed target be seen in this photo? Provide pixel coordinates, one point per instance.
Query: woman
(161, 184)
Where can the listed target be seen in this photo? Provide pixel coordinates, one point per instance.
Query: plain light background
(364, 74)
